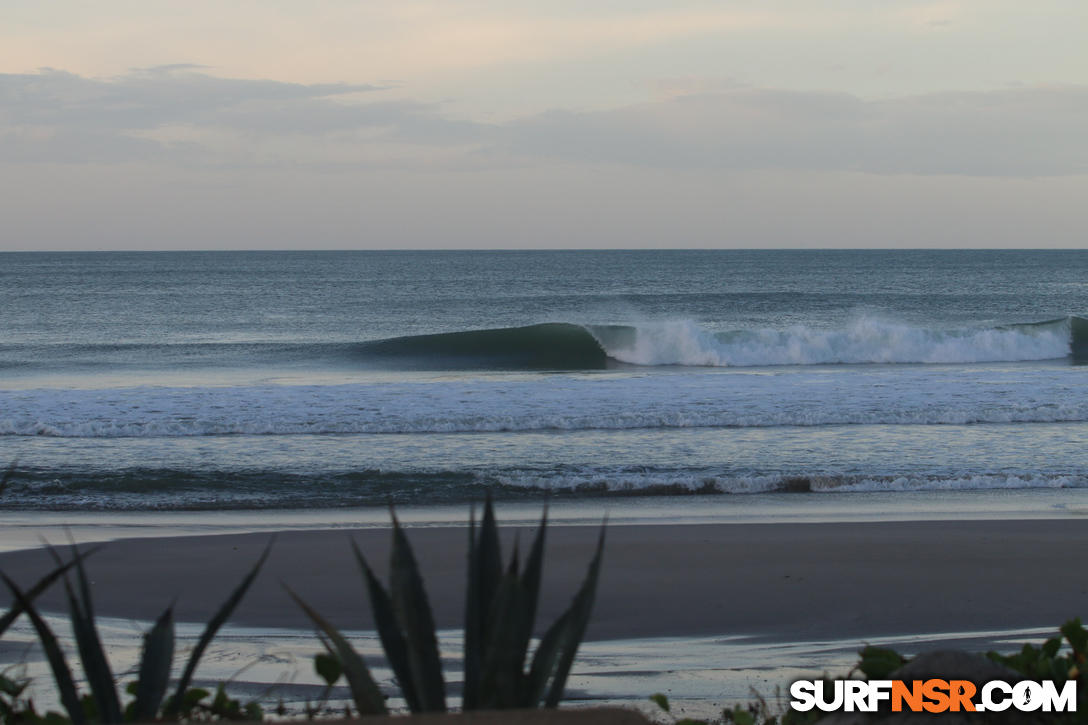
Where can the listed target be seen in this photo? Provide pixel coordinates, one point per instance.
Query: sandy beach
(816, 581)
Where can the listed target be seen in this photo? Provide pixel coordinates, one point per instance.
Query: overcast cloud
(182, 114)
(1036, 131)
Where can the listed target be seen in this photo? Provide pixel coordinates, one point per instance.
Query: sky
(352, 124)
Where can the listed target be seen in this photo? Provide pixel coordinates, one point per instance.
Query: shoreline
(780, 580)
(25, 529)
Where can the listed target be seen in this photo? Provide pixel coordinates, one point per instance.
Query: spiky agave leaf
(489, 551)
(368, 698)
(413, 613)
(530, 581)
(544, 662)
(155, 663)
(391, 634)
(471, 655)
(502, 675)
(575, 628)
(484, 574)
(62, 675)
(217, 621)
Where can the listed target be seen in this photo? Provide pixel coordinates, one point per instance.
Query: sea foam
(880, 395)
(864, 341)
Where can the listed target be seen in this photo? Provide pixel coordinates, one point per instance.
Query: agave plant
(500, 613)
(103, 704)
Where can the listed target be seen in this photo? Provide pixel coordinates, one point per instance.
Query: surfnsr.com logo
(933, 696)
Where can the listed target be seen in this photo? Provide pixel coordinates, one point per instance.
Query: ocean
(254, 381)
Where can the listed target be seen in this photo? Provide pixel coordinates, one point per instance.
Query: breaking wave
(567, 346)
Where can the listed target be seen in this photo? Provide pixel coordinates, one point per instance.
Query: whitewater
(864, 341)
(875, 396)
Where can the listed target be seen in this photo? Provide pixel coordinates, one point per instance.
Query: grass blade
(31, 594)
(84, 584)
(385, 619)
(66, 687)
(579, 611)
(414, 615)
(96, 667)
(368, 698)
(213, 626)
(155, 663)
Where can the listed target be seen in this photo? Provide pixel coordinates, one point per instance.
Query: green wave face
(1079, 343)
(548, 346)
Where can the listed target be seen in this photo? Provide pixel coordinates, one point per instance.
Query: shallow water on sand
(700, 676)
(28, 529)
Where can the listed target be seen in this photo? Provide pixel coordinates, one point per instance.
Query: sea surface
(247, 381)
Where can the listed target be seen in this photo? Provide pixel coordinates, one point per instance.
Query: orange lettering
(960, 693)
(932, 689)
(913, 696)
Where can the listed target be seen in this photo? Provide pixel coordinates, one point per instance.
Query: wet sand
(810, 580)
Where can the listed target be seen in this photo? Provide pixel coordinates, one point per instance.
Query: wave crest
(865, 341)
